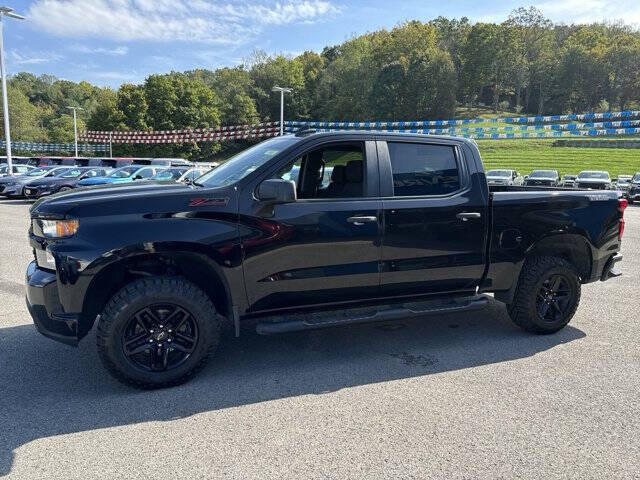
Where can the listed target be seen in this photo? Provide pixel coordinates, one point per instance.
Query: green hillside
(526, 155)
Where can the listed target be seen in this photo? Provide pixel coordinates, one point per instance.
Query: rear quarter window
(421, 169)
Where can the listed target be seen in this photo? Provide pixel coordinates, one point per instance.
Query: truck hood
(147, 196)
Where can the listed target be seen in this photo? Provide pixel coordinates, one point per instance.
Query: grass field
(526, 155)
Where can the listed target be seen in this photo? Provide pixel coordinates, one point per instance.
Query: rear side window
(420, 169)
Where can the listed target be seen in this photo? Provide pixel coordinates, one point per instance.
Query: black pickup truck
(375, 227)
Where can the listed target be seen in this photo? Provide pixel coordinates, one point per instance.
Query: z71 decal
(208, 202)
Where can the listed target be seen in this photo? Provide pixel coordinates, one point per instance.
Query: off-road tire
(143, 293)
(523, 310)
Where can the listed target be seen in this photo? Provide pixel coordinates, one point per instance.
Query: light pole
(282, 91)
(75, 126)
(6, 11)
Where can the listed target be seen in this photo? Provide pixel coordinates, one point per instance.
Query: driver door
(326, 246)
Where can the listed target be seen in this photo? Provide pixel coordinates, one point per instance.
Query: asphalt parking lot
(459, 396)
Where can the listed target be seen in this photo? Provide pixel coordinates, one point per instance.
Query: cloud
(164, 21)
(116, 51)
(579, 11)
(587, 11)
(33, 58)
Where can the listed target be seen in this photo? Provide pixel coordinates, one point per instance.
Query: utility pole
(282, 91)
(75, 127)
(8, 12)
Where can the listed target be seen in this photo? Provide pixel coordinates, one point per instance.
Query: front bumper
(12, 191)
(45, 308)
(36, 192)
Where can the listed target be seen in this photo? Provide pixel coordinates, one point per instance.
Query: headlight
(59, 228)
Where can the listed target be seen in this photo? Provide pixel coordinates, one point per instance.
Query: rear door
(434, 222)
(325, 247)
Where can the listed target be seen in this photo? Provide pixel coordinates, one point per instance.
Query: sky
(110, 42)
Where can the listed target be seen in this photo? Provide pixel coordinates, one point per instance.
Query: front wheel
(157, 332)
(547, 295)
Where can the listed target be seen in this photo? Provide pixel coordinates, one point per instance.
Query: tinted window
(420, 169)
(145, 173)
(331, 172)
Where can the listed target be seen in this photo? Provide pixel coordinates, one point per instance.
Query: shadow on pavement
(49, 389)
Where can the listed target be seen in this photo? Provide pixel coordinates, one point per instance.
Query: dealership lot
(459, 396)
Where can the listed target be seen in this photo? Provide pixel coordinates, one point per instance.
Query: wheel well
(572, 248)
(195, 267)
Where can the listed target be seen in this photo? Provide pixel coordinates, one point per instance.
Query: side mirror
(137, 177)
(277, 190)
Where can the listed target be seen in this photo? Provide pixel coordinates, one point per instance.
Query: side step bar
(315, 320)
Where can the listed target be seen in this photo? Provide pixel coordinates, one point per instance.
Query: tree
(233, 88)
(61, 128)
(278, 71)
(25, 119)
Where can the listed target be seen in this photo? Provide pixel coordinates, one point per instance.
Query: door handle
(362, 220)
(464, 216)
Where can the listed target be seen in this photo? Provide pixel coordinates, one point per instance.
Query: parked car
(622, 183)
(180, 174)
(165, 269)
(40, 187)
(543, 178)
(593, 179)
(126, 174)
(633, 194)
(568, 181)
(16, 169)
(13, 187)
(504, 177)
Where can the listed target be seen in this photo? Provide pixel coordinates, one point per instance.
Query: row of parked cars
(629, 185)
(30, 181)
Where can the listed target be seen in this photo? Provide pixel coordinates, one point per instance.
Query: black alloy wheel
(554, 298)
(160, 337)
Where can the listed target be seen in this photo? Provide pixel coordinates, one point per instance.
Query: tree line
(415, 71)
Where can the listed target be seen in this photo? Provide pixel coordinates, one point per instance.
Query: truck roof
(312, 133)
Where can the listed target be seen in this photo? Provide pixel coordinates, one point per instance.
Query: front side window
(123, 172)
(335, 171)
(74, 172)
(145, 173)
(420, 169)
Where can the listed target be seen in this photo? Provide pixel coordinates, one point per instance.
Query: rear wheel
(157, 332)
(547, 295)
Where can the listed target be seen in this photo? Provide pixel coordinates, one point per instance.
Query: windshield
(245, 162)
(169, 174)
(123, 172)
(543, 174)
(499, 173)
(56, 172)
(596, 175)
(74, 172)
(636, 177)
